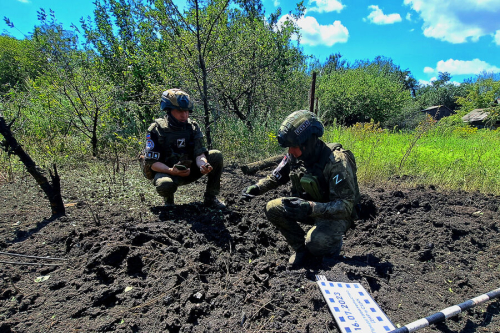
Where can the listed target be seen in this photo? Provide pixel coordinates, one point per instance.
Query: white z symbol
(337, 180)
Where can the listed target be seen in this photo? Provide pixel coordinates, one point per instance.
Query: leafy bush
(357, 95)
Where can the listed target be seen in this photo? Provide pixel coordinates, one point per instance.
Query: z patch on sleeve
(340, 185)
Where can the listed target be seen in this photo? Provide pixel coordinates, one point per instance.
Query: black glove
(250, 192)
(296, 208)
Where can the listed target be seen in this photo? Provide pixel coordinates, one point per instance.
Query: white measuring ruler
(353, 308)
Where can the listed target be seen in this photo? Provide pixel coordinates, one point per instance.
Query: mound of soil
(131, 265)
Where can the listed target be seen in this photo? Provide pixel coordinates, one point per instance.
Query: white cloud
(276, 3)
(455, 22)
(408, 16)
(497, 37)
(426, 83)
(463, 67)
(315, 34)
(377, 16)
(325, 6)
(24, 1)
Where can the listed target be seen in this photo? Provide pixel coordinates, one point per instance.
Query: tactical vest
(310, 183)
(168, 139)
(176, 144)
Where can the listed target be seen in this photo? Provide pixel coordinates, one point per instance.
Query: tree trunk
(52, 191)
(204, 75)
(252, 168)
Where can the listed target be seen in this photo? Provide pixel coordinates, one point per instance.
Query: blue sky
(461, 37)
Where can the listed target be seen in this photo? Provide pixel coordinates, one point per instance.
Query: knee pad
(273, 209)
(165, 186)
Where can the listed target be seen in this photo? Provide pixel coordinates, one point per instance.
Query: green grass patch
(461, 160)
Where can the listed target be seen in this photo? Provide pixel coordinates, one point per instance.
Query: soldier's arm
(279, 176)
(199, 141)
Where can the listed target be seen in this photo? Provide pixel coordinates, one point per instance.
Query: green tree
(480, 94)
(82, 96)
(440, 92)
(386, 67)
(264, 67)
(132, 55)
(19, 60)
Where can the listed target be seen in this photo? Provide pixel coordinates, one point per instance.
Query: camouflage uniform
(179, 143)
(323, 176)
(332, 214)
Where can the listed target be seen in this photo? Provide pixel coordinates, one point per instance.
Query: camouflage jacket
(334, 168)
(169, 144)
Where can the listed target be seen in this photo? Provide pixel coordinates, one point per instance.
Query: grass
(465, 159)
(461, 158)
(238, 143)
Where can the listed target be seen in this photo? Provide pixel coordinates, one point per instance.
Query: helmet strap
(310, 149)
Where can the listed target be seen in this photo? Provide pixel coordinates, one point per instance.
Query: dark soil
(135, 266)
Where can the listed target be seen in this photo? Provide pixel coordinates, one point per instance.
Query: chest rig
(308, 181)
(176, 143)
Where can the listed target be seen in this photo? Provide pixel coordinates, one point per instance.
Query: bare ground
(134, 266)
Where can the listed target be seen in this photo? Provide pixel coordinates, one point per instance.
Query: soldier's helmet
(298, 128)
(176, 99)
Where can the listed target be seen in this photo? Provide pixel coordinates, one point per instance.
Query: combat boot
(169, 201)
(299, 258)
(212, 202)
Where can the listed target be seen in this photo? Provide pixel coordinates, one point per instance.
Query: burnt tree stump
(52, 189)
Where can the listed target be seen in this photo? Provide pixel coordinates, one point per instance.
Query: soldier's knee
(165, 186)
(215, 157)
(273, 209)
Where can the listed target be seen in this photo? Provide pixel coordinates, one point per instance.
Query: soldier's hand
(250, 192)
(297, 208)
(181, 173)
(206, 168)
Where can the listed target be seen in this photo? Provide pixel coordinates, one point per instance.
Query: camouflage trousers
(324, 238)
(166, 185)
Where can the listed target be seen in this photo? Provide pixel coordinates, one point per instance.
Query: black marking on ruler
(466, 305)
(436, 317)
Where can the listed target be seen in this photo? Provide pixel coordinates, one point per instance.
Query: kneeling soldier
(324, 189)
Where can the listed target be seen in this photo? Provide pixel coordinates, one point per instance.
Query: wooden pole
(313, 91)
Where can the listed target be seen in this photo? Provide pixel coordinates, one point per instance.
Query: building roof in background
(475, 115)
(434, 108)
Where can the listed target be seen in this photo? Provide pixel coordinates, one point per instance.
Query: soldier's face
(180, 115)
(295, 151)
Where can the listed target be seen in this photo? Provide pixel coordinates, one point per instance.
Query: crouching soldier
(175, 154)
(324, 190)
